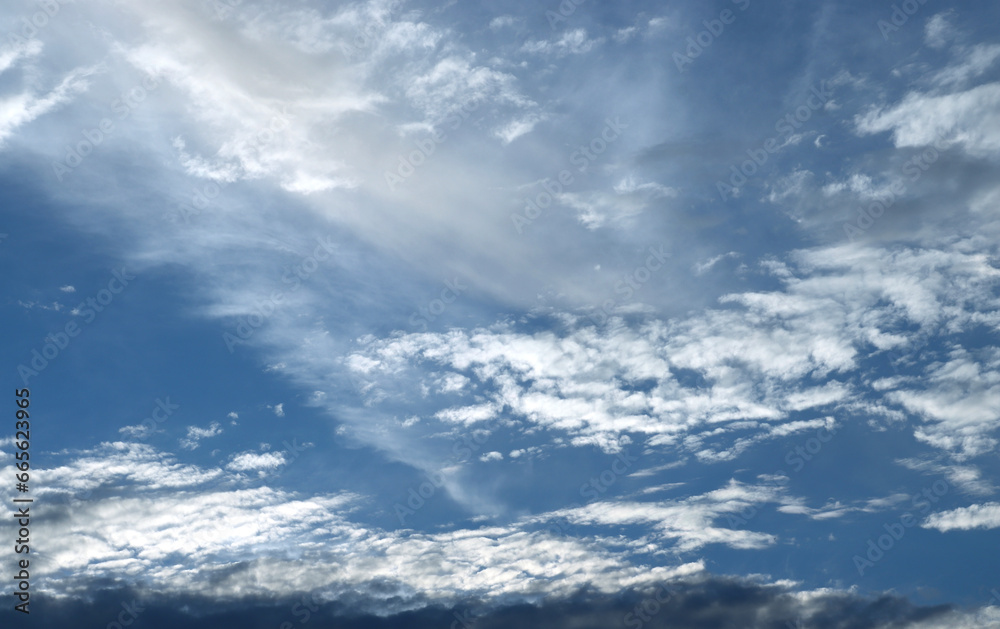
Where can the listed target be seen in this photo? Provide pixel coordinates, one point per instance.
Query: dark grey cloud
(714, 604)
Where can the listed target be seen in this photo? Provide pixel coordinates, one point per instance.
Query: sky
(501, 313)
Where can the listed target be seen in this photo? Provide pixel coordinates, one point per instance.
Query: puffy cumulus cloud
(961, 400)
(253, 461)
(180, 531)
(952, 112)
(183, 530)
(981, 516)
(762, 365)
(968, 119)
(121, 465)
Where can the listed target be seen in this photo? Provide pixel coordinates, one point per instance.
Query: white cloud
(982, 516)
(17, 111)
(703, 267)
(968, 119)
(688, 524)
(196, 434)
(505, 21)
(571, 42)
(152, 527)
(938, 31)
(138, 431)
(628, 198)
(978, 60)
(762, 363)
(252, 461)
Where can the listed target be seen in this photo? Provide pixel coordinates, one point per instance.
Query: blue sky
(511, 312)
